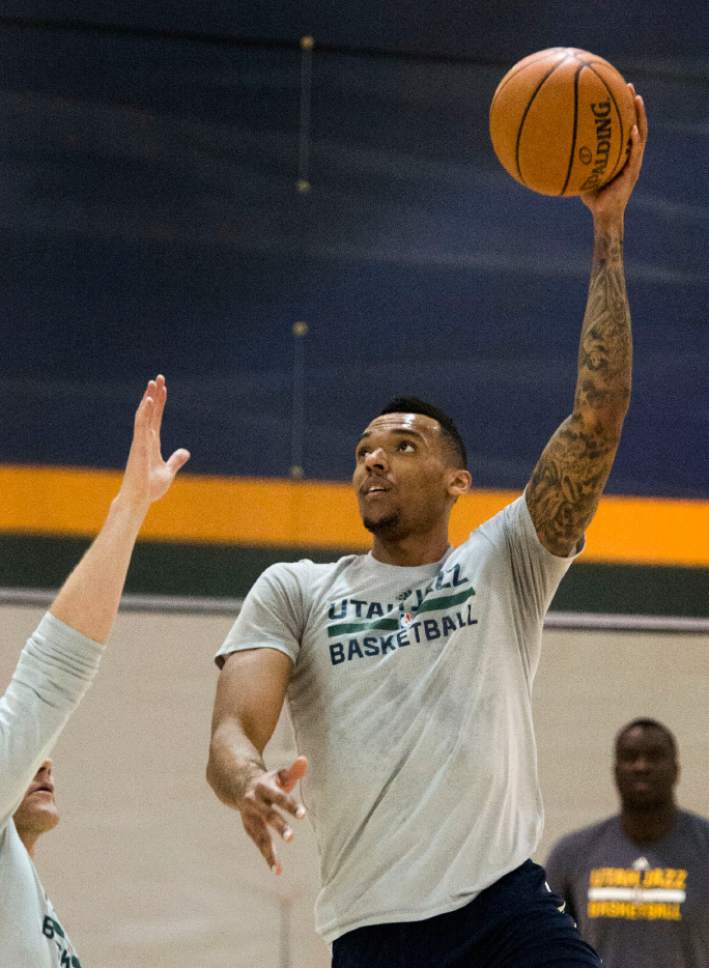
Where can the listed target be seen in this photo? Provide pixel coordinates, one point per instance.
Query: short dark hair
(450, 431)
(647, 723)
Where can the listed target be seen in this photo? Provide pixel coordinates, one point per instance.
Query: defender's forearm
(605, 348)
(88, 601)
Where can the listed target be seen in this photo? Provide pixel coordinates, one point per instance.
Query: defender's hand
(147, 476)
(258, 810)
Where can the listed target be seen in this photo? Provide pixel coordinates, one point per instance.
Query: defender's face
(38, 811)
(646, 770)
(401, 474)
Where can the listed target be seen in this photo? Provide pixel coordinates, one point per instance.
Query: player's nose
(376, 458)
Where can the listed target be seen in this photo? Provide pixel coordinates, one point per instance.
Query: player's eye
(361, 453)
(406, 447)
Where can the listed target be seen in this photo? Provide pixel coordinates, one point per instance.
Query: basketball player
(638, 883)
(409, 672)
(55, 669)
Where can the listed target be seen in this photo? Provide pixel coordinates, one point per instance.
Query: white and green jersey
(55, 669)
(411, 696)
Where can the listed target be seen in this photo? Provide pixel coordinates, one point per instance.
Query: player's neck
(647, 826)
(29, 838)
(412, 550)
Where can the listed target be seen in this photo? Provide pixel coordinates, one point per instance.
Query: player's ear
(459, 481)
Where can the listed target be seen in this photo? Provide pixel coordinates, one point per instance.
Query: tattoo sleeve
(569, 477)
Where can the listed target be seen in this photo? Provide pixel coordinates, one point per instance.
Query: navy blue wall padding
(150, 221)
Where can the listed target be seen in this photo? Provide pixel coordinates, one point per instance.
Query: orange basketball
(560, 121)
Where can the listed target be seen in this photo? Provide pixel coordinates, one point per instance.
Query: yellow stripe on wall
(250, 511)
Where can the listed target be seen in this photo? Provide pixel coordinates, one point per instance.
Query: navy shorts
(514, 923)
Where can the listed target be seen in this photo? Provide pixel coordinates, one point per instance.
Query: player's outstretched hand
(259, 815)
(610, 201)
(147, 476)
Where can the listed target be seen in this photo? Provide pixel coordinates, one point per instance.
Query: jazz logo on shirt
(637, 893)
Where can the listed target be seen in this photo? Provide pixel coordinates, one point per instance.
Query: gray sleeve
(536, 572)
(272, 616)
(56, 667)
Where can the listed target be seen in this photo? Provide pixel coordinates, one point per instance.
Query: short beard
(384, 527)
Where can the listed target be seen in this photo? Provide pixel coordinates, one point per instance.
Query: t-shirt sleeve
(272, 616)
(55, 669)
(536, 572)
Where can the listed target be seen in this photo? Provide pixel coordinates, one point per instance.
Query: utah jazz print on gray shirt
(411, 695)
(639, 905)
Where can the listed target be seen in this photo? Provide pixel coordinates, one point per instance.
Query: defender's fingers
(178, 460)
(159, 394)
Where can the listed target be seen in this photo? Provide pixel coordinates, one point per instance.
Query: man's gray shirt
(411, 695)
(639, 905)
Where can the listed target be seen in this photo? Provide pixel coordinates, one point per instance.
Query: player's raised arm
(250, 695)
(89, 599)
(569, 477)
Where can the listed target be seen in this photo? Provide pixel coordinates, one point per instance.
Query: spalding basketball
(560, 121)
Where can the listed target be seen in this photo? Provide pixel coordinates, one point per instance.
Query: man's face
(38, 812)
(403, 474)
(646, 770)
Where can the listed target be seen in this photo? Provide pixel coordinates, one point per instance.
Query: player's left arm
(568, 480)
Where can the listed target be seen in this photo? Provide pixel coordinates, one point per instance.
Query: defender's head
(646, 765)
(38, 811)
(410, 468)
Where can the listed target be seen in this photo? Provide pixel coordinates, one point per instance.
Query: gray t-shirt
(411, 696)
(639, 905)
(55, 669)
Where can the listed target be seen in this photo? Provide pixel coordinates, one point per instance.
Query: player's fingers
(289, 776)
(275, 820)
(258, 831)
(270, 796)
(642, 117)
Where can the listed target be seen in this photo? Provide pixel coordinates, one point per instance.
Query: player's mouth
(43, 788)
(372, 487)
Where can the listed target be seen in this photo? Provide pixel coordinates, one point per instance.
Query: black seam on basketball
(615, 169)
(526, 112)
(505, 81)
(574, 130)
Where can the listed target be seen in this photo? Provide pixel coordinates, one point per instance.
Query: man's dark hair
(646, 723)
(450, 431)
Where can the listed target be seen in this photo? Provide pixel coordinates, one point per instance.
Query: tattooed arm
(569, 478)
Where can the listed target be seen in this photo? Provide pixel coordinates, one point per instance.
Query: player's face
(646, 770)
(402, 474)
(38, 811)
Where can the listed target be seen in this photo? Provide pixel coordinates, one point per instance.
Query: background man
(638, 883)
(409, 675)
(55, 669)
